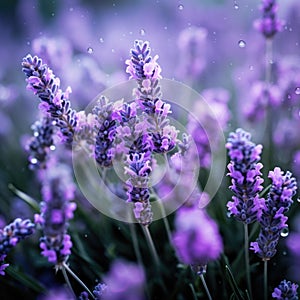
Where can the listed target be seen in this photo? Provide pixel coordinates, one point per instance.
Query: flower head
(54, 102)
(273, 219)
(286, 290)
(269, 24)
(196, 238)
(244, 170)
(125, 281)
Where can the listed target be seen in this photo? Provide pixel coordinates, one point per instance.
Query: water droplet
(284, 232)
(142, 32)
(166, 27)
(242, 44)
(36, 134)
(101, 40)
(236, 6)
(284, 253)
(251, 68)
(90, 50)
(33, 160)
(298, 198)
(180, 7)
(71, 9)
(52, 147)
(297, 90)
(113, 50)
(85, 235)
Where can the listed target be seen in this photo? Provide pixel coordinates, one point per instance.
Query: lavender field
(150, 149)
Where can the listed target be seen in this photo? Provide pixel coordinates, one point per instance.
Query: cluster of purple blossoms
(273, 219)
(196, 238)
(138, 168)
(54, 102)
(125, 281)
(11, 235)
(106, 132)
(269, 24)
(202, 125)
(286, 290)
(56, 210)
(244, 170)
(146, 71)
(98, 292)
(41, 143)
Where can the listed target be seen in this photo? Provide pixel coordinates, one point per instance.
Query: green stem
(265, 280)
(68, 281)
(151, 245)
(205, 287)
(247, 263)
(66, 267)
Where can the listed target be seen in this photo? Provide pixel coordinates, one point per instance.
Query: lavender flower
(286, 290)
(269, 24)
(125, 281)
(138, 168)
(99, 290)
(192, 45)
(141, 65)
(56, 210)
(196, 239)
(244, 170)
(106, 132)
(41, 143)
(11, 235)
(146, 71)
(54, 101)
(273, 220)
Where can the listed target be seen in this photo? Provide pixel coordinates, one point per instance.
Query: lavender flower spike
(138, 170)
(11, 235)
(273, 220)
(244, 170)
(285, 291)
(56, 210)
(41, 143)
(269, 24)
(196, 239)
(54, 101)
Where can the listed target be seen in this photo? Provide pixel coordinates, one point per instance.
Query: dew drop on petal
(33, 160)
(52, 147)
(284, 232)
(36, 134)
(101, 40)
(90, 50)
(180, 7)
(242, 44)
(236, 6)
(297, 90)
(142, 32)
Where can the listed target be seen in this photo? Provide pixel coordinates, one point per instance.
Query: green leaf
(26, 198)
(233, 284)
(25, 279)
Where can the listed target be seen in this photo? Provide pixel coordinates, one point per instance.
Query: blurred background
(209, 45)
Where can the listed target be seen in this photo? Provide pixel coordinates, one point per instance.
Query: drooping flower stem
(247, 263)
(63, 270)
(265, 279)
(67, 268)
(205, 287)
(151, 245)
